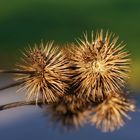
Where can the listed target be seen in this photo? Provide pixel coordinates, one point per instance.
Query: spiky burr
(69, 112)
(49, 73)
(101, 65)
(110, 115)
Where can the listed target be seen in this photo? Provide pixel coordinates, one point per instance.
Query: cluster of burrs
(79, 83)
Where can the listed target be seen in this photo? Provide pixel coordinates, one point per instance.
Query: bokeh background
(24, 22)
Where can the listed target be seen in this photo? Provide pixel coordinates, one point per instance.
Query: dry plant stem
(17, 71)
(11, 85)
(18, 104)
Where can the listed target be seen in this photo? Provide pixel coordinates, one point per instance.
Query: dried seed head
(69, 112)
(110, 114)
(49, 73)
(101, 65)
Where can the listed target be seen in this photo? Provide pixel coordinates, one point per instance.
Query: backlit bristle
(69, 112)
(109, 115)
(101, 64)
(50, 73)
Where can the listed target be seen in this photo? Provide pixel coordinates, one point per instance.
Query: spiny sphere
(101, 64)
(110, 115)
(50, 72)
(69, 112)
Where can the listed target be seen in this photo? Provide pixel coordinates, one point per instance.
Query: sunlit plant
(80, 83)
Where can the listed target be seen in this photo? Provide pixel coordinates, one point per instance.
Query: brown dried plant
(82, 82)
(101, 65)
(49, 76)
(110, 115)
(69, 112)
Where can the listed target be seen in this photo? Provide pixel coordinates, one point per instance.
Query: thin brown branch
(19, 104)
(17, 71)
(11, 85)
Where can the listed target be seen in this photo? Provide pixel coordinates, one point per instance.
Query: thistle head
(49, 73)
(101, 65)
(110, 115)
(69, 112)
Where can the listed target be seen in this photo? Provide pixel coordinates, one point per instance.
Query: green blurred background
(24, 22)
